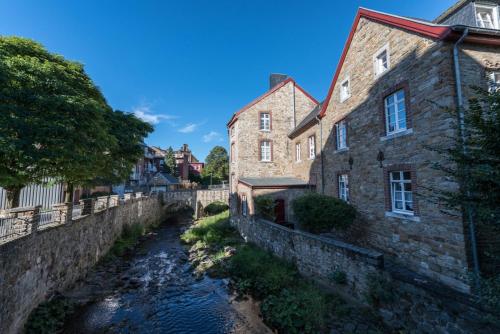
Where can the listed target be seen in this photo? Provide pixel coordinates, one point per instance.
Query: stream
(154, 290)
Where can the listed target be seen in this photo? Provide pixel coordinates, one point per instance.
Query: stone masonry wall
(37, 265)
(247, 136)
(418, 305)
(429, 242)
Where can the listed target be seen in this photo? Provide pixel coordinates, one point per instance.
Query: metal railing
(19, 222)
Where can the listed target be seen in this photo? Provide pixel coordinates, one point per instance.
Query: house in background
(367, 143)
(163, 182)
(187, 163)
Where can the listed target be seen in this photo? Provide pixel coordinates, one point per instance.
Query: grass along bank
(288, 302)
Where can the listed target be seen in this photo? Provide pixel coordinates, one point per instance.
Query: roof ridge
(266, 94)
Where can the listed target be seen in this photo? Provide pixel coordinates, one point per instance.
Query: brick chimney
(276, 78)
(185, 167)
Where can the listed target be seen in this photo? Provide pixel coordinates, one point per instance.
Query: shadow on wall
(427, 80)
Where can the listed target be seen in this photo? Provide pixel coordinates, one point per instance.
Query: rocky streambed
(155, 290)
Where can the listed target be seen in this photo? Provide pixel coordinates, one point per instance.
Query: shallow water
(155, 291)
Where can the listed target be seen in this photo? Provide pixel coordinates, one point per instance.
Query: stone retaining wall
(418, 304)
(35, 266)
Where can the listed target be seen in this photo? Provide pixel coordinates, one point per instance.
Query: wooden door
(279, 211)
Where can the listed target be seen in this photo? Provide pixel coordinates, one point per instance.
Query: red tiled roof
(429, 29)
(271, 91)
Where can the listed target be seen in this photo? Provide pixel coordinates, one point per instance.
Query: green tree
(129, 133)
(473, 162)
(54, 121)
(217, 165)
(170, 164)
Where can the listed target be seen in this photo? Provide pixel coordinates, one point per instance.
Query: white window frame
(265, 123)
(344, 95)
(298, 152)
(396, 112)
(376, 64)
(311, 141)
(341, 134)
(494, 15)
(265, 156)
(401, 183)
(494, 81)
(343, 184)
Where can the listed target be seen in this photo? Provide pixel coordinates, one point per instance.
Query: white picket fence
(34, 195)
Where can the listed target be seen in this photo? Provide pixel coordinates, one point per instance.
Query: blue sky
(187, 66)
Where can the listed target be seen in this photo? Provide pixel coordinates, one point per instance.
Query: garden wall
(36, 265)
(413, 303)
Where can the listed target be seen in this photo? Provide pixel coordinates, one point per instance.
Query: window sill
(260, 130)
(340, 150)
(397, 134)
(380, 74)
(345, 98)
(402, 216)
(266, 162)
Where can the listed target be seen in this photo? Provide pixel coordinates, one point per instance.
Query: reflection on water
(155, 292)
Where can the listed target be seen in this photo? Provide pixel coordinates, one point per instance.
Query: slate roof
(263, 182)
(308, 120)
(161, 179)
(456, 6)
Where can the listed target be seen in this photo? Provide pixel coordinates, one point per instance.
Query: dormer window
(381, 61)
(487, 16)
(345, 90)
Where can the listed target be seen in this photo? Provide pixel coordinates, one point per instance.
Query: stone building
(259, 151)
(187, 163)
(368, 142)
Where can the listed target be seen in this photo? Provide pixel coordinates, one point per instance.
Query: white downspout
(461, 120)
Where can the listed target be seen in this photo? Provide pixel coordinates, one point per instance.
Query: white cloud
(212, 136)
(145, 113)
(188, 128)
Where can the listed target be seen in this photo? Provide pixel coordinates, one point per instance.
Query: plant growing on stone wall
(49, 316)
(379, 290)
(264, 207)
(301, 309)
(339, 277)
(320, 213)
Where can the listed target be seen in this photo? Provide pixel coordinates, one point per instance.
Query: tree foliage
(217, 164)
(129, 133)
(264, 206)
(54, 121)
(170, 164)
(476, 169)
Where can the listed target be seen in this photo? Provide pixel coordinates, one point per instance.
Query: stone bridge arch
(195, 199)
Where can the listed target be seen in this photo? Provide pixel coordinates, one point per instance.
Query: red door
(279, 211)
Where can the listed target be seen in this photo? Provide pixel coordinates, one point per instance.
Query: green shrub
(320, 213)
(214, 231)
(262, 272)
(264, 207)
(380, 290)
(339, 277)
(488, 290)
(215, 208)
(49, 316)
(301, 309)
